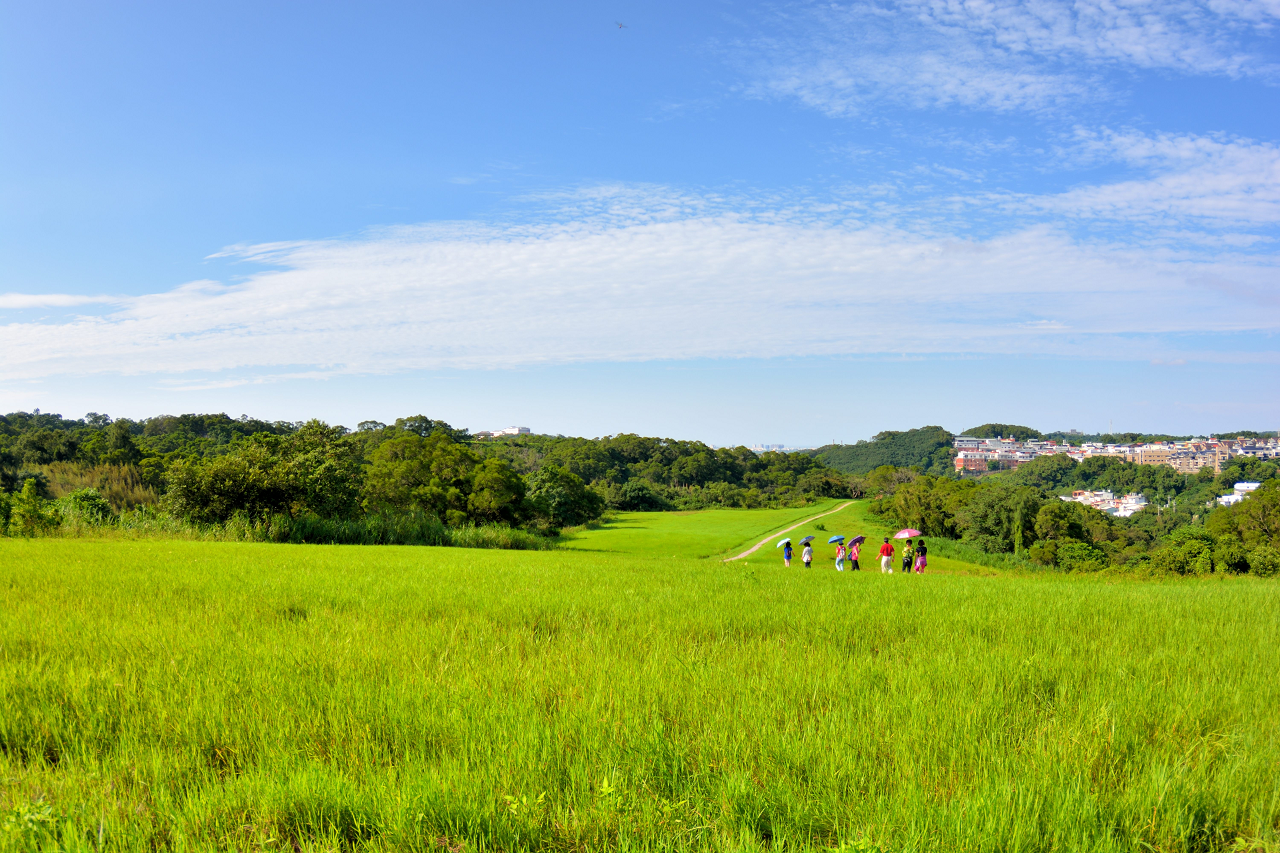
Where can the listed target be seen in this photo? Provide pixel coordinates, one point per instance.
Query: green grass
(699, 533)
(197, 695)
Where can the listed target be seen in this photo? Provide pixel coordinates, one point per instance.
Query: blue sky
(781, 222)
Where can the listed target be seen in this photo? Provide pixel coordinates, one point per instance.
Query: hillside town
(1185, 457)
(1122, 507)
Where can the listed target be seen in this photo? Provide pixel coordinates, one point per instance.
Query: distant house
(1239, 493)
(495, 433)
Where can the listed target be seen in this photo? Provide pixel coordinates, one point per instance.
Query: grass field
(195, 695)
(706, 533)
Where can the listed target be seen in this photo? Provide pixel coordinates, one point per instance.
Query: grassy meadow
(630, 691)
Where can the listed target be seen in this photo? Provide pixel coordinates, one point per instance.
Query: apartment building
(1185, 457)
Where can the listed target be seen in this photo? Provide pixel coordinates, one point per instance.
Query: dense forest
(320, 480)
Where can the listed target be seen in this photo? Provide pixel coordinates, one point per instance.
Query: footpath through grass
(724, 533)
(189, 695)
(701, 533)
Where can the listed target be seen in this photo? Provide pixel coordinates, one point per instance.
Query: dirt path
(766, 540)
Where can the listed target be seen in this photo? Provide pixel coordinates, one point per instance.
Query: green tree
(637, 496)
(431, 474)
(1075, 556)
(1264, 561)
(120, 448)
(249, 481)
(560, 497)
(323, 466)
(1047, 472)
(1019, 433)
(1001, 518)
(1230, 556)
(497, 493)
(31, 514)
(1258, 516)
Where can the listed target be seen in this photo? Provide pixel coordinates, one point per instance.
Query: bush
(1229, 555)
(1078, 557)
(1192, 556)
(1264, 561)
(31, 514)
(559, 496)
(1044, 552)
(637, 495)
(88, 504)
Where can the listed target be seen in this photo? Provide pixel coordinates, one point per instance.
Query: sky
(782, 223)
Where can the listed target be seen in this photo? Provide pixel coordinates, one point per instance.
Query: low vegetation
(625, 695)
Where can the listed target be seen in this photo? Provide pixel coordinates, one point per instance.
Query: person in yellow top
(908, 556)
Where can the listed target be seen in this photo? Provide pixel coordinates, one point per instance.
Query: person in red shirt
(886, 557)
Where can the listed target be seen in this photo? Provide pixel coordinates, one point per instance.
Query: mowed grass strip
(192, 695)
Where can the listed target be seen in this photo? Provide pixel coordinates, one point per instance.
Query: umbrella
(783, 542)
(857, 540)
(835, 539)
(907, 534)
(806, 540)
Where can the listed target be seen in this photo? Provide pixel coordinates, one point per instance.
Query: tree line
(210, 469)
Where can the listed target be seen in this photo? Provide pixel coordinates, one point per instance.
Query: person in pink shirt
(922, 559)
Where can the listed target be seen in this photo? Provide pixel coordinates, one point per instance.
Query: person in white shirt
(807, 555)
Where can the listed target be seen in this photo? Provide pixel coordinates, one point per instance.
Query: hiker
(852, 554)
(807, 555)
(921, 557)
(908, 557)
(839, 556)
(786, 554)
(886, 555)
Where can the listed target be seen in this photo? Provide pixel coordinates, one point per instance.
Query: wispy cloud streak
(1000, 55)
(679, 286)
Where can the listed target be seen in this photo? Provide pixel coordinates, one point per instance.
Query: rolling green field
(708, 533)
(195, 695)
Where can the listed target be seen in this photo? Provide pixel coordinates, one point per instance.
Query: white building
(1239, 493)
(494, 433)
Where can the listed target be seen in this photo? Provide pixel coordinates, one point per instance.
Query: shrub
(1169, 561)
(637, 495)
(1192, 556)
(1229, 555)
(560, 496)
(31, 514)
(1044, 552)
(1078, 557)
(88, 504)
(1264, 561)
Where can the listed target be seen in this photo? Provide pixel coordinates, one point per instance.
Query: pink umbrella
(909, 533)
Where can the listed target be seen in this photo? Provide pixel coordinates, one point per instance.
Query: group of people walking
(914, 557)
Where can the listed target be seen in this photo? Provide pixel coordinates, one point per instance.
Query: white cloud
(1185, 35)
(679, 285)
(1200, 179)
(21, 301)
(999, 55)
(843, 60)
